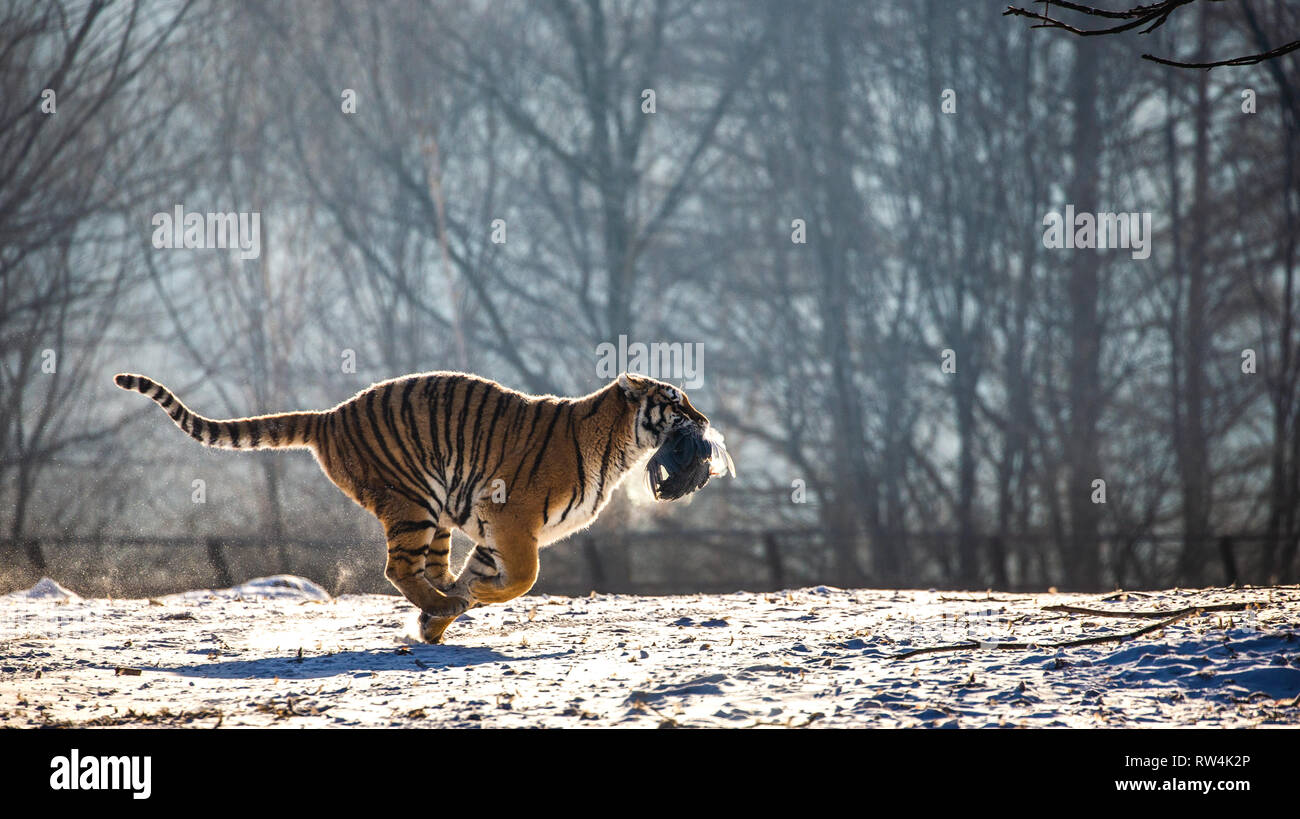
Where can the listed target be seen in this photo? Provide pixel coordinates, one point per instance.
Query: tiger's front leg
(500, 570)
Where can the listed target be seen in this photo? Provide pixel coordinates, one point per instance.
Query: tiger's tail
(287, 430)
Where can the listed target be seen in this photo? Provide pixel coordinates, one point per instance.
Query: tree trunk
(1083, 558)
(1193, 454)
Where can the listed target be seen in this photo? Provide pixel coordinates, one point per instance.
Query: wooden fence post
(35, 556)
(595, 567)
(218, 560)
(1229, 560)
(772, 553)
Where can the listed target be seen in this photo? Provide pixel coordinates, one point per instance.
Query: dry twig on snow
(1153, 614)
(1170, 617)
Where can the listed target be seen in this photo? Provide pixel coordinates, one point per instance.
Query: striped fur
(282, 431)
(438, 451)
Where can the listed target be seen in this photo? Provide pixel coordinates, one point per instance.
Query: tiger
(434, 452)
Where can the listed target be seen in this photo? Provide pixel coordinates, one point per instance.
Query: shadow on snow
(420, 658)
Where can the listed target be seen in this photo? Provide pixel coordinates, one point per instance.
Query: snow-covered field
(281, 652)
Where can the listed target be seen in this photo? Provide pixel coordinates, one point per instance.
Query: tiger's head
(661, 409)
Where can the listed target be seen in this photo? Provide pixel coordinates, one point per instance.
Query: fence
(661, 561)
(647, 562)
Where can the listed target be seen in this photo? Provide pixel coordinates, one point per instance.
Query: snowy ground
(280, 652)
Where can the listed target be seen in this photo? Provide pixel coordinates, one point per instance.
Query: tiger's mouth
(688, 457)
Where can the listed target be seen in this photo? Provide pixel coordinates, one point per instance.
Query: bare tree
(79, 125)
(1144, 19)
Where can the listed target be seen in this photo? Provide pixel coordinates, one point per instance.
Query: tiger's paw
(432, 626)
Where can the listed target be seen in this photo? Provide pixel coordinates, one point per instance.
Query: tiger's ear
(634, 387)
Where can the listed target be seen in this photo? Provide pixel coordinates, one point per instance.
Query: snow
(275, 587)
(280, 651)
(45, 589)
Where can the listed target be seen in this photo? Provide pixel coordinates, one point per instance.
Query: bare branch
(1152, 16)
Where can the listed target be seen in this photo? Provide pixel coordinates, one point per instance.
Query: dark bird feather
(685, 462)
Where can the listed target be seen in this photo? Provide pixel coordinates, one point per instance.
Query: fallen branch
(1004, 646)
(789, 723)
(1151, 614)
(1124, 595)
(666, 721)
(1170, 617)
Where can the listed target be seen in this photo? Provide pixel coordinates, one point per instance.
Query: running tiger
(438, 451)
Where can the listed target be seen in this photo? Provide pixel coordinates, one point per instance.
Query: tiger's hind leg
(479, 562)
(437, 570)
(496, 571)
(409, 536)
(437, 561)
(432, 628)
